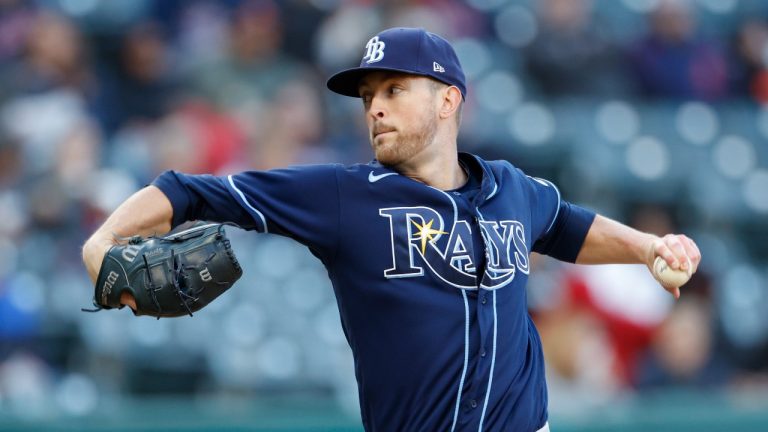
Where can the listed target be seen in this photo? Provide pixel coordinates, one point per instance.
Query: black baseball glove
(169, 276)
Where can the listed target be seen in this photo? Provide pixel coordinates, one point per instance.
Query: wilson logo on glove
(108, 284)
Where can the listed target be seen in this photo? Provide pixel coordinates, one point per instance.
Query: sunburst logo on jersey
(426, 234)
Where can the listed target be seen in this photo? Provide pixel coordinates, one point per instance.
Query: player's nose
(376, 108)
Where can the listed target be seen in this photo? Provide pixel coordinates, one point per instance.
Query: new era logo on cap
(408, 50)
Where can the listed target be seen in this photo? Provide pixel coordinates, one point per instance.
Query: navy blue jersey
(439, 330)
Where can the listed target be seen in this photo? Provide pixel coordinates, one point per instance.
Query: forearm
(146, 212)
(610, 242)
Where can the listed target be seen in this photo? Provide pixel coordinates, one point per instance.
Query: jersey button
(483, 300)
(473, 403)
(482, 353)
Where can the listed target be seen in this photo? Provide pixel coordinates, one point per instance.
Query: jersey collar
(478, 167)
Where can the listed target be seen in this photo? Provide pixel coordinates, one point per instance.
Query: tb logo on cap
(375, 50)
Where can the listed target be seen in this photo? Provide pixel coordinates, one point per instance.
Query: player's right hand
(679, 252)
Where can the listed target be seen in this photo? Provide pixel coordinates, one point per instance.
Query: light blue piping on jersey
(466, 359)
(557, 191)
(242, 196)
(493, 358)
(493, 363)
(493, 192)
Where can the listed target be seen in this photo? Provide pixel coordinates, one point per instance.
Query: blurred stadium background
(650, 111)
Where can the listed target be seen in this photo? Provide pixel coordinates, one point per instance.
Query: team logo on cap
(375, 50)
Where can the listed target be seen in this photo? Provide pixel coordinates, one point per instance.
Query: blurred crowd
(649, 111)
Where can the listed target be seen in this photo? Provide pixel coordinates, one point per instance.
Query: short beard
(410, 144)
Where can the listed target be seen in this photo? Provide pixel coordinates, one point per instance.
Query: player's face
(401, 114)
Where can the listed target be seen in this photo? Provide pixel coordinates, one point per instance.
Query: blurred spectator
(750, 66)
(673, 61)
(11, 167)
(255, 66)
(16, 17)
(301, 30)
(569, 56)
(582, 366)
(623, 301)
(293, 129)
(449, 18)
(196, 138)
(54, 56)
(339, 38)
(683, 349)
(146, 83)
(249, 83)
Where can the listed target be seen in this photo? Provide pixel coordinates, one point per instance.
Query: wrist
(93, 254)
(645, 249)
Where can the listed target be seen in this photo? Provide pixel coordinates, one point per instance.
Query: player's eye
(395, 90)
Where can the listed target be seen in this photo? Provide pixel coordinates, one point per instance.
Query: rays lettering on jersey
(419, 239)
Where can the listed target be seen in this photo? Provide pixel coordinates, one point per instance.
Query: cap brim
(347, 82)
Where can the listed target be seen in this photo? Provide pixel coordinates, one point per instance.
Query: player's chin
(387, 154)
(383, 147)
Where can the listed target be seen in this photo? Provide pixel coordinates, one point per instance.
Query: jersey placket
(474, 404)
(487, 321)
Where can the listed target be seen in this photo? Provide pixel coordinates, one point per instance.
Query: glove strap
(95, 309)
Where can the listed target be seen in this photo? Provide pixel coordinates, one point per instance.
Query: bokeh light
(499, 91)
(697, 123)
(617, 121)
(756, 190)
(532, 124)
(515, 26)
(734, 156)
(648, 158)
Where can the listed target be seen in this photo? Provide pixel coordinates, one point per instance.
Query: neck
(439, 169)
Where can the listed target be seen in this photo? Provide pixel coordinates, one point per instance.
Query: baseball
(668, 276)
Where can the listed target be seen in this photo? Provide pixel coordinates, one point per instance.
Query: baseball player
(428, 249)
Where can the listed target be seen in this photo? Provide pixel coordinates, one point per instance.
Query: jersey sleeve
(559, 227)
(299, 202)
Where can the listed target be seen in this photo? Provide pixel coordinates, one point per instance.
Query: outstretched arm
(610, 242)
(145, 213)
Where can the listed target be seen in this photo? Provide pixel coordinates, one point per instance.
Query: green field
(701, 412)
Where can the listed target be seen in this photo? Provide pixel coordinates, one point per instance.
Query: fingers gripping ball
(668, 276)
(169, 276)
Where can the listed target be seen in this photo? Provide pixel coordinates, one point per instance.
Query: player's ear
(451, 99)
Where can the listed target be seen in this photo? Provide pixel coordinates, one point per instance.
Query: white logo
(437, 68)
(375, 50)
(106, 290)
(130, 252)
(205, 275)
(374, 178)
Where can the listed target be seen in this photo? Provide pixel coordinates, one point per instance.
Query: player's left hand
(168, 276)
(680, 253)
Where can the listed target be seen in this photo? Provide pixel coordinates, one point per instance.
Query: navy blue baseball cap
(410, 50)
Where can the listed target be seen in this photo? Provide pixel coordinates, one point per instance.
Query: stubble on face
(406, 142)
